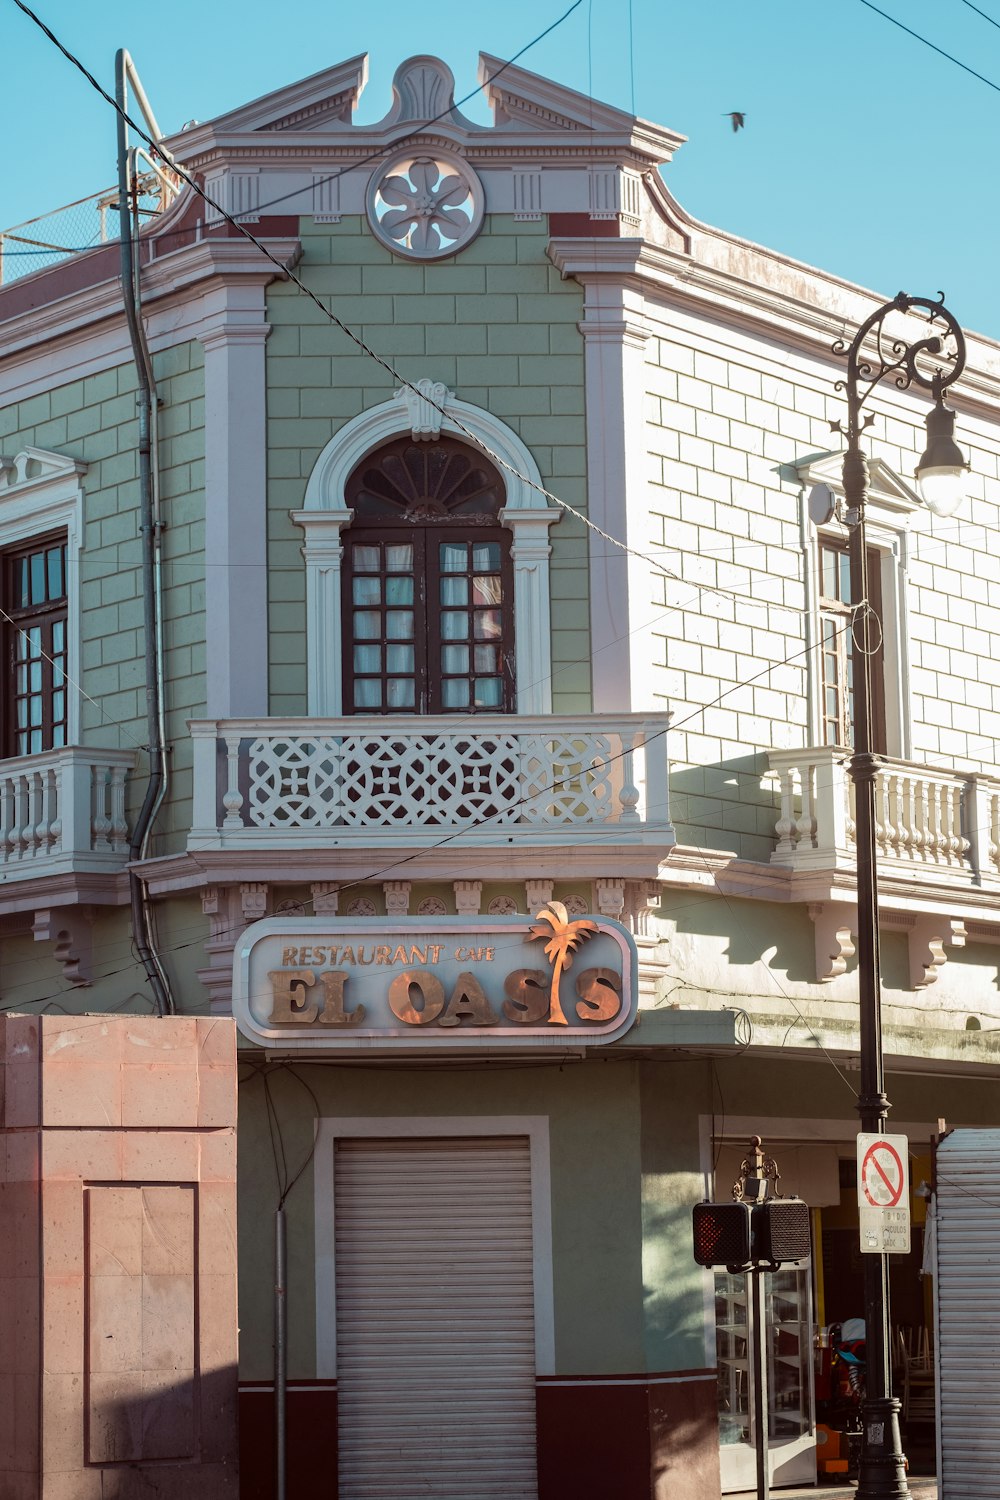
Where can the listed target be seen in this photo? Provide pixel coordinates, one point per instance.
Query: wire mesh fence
(51, 237)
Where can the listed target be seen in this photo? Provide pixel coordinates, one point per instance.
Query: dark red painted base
(311, 1441)
(619, 1438)
(599, 1439)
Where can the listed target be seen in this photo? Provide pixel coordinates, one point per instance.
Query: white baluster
(100, 823)
(921, 834)
(48, 825)
(119, 822)
(807, 826)
(233, 800)
(961, 842)
(785, 825)
(628, 795)
(904, 816)
(881, 814)
(7, 817)
(24, 825)
(31, 831)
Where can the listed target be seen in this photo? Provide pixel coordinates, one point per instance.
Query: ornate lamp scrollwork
(905, 360)
(897, 357)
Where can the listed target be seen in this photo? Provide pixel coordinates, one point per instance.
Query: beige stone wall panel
(118, 1277)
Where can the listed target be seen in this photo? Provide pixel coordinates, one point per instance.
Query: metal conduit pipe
(156, 784)
(280, 1350)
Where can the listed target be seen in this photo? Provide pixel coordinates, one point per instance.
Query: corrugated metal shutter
(435, 1325)
(967, 1292)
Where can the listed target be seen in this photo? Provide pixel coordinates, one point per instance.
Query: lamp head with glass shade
(942, 467)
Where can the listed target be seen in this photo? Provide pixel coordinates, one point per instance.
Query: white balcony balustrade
(486, 781)
(63, 812)
(935, 826)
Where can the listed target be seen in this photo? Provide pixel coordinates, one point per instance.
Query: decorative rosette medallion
(425, 206)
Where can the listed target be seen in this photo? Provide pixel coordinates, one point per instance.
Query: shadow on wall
(172, 1439)
(727, 805)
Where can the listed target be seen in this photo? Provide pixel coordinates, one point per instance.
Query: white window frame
(889, 506)
(330, 1129)
(526, 514)
(41, 492)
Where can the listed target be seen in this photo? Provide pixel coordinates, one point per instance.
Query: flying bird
(738, 117)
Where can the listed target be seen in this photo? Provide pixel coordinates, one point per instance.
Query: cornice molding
(229, 332)
(774, 314)
(335, 89)
(213, 258)
(205, 867)
(73, 888)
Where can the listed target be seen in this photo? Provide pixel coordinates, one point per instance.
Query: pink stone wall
(118, 1325)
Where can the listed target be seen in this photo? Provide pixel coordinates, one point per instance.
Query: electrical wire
(291, 275)
(609, 833)
(982, 13)
(265, 1072)
(391, 146)
(44, 656)
(547, 494)
(916, 34)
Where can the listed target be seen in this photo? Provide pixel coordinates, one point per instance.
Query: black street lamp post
(882, 1474)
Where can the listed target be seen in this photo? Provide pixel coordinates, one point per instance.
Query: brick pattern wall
(728, 418)
(498, 326)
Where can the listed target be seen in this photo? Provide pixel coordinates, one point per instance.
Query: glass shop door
(792, 1427)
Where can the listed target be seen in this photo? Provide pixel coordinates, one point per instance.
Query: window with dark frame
(33, 580)
(837, 647)
(428, 583)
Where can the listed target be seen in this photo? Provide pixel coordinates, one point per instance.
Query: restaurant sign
(391, 983)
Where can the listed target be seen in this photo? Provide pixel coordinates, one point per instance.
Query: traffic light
(742, 1235)
(722, 1233)
(781, 1230)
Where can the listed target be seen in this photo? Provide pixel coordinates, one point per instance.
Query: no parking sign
(884, 1194)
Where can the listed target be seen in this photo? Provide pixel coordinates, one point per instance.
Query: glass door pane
(788, 1314)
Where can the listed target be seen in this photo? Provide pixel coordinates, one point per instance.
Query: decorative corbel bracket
(834, 940)
(70, 929)
(926, 942)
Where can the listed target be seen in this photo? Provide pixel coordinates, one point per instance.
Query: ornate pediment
(525, 100)
(36, 466)
(325, 101)
(423, 90)
(885, 487)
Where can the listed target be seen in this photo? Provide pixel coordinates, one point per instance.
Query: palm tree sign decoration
(562, 937)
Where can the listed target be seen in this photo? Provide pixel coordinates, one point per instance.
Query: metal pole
(882, 1470)
(758, 1329)
(280, 1352)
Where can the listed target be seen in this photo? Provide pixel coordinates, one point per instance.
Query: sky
(864, 152)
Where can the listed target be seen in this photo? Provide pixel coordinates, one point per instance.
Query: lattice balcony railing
(393, 780)
(943, 825)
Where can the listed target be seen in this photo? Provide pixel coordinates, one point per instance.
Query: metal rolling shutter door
(435, 1324)
(968, 1312)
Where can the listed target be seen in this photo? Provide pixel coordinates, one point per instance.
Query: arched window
(336, 513)
(428, 599)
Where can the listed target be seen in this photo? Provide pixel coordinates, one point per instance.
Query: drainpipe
(142, 934)
(280, 1350)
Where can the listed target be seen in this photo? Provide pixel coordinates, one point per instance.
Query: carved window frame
(889, 506)
(41, 495)
(326, 515)
(23, 619)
